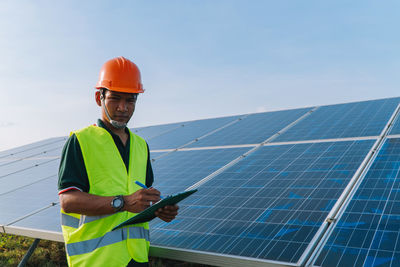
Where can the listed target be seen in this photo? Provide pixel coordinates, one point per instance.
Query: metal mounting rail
(393, 136)
(323, 233)
(30, 214)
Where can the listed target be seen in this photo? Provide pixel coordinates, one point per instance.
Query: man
(98, 170)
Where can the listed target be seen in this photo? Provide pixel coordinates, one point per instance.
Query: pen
(144, 186)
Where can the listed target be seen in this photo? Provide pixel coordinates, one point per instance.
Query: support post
(29, 253)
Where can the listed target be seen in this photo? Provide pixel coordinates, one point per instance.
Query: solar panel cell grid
(28, 198)
(253, 129)
(368, 232)
(273, 197)
(178, 170)
(28, 175)
(33, 146)
(192, 130)
(152, 131)
(52, 222)
(35, 150)
(366, 118)
(396, 126)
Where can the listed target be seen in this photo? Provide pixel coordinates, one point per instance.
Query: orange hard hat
(121, 75)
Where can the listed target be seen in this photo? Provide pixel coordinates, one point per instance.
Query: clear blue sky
(199, 59)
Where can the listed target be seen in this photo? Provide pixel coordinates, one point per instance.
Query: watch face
(117, 203)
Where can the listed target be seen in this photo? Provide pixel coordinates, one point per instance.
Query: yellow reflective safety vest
(89, 240)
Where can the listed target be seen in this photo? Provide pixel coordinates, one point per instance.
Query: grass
(52, 254)
(47, 253)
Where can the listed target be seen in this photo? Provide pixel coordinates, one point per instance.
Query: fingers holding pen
(141, 199)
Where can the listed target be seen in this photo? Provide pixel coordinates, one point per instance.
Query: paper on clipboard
(148, 214)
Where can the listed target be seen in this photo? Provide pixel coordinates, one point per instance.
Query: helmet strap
(114, 123)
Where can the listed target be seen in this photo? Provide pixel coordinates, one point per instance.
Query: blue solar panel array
(267, 206)
(368, 233)
(366, 118)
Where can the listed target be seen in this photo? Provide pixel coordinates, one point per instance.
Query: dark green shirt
(72, 172)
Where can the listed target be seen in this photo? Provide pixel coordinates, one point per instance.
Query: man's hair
(104, 90)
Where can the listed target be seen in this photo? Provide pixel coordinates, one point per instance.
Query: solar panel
(368, 232)
(366, 118)
(33, 149)
(267, 206)
(252, 129)
(190, 132)
(27, 175)
(152, 131)
(52, 222)
(178, 170)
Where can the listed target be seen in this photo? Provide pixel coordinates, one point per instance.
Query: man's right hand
(141, 200)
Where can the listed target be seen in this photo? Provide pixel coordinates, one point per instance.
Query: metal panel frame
(33, 233)
(213, 259)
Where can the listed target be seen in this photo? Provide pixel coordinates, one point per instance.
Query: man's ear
(97, 98)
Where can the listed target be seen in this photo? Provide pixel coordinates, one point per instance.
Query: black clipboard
(148, 214)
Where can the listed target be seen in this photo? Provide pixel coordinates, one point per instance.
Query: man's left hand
(168, 213)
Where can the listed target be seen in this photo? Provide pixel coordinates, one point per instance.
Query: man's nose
(122, 106)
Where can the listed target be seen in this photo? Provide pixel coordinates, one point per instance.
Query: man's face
(120, 106)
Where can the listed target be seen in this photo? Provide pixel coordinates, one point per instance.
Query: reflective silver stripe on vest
(70, 221)
(139, 232)
(88, 219)
(109, 238)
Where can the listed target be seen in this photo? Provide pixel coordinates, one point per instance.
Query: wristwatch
(117, 203)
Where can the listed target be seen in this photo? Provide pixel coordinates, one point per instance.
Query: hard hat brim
(122, 90)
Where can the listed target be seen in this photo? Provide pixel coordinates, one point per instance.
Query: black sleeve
(72, 170)
(149, 170)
